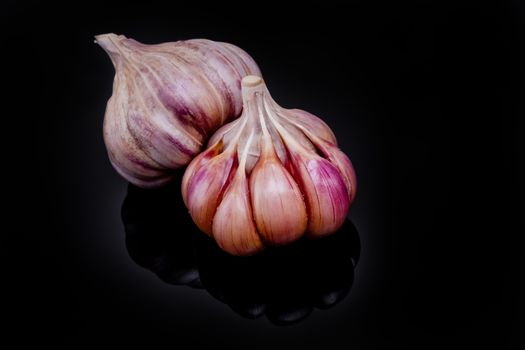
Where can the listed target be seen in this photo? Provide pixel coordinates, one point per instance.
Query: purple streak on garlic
(167, 99)
(269, 177)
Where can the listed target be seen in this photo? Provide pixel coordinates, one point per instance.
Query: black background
(425, 97)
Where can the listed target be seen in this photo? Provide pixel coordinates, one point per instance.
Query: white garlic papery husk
(269, 177)
(167, 100)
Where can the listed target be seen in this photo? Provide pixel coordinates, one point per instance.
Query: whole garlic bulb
(167, 99)
(269, 177)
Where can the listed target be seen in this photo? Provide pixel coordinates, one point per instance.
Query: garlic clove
(164, 141)
(206, 186)
(278, 207)
(342, 163)
(129, 159)
(330, 151)
(198, 162)
(324, 190)
(233, 226)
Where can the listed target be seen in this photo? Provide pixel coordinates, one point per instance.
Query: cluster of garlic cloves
(269, 177)
(167, 100)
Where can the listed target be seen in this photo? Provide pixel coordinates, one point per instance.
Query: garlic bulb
(167, 99)
(269, 177)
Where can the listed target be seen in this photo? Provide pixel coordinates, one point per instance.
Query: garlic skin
(269, 177)
(167, 100)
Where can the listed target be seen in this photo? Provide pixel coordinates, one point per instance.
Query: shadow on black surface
(285, 283)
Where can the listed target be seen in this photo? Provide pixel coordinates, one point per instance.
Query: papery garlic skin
(269, 177)
(167, 99)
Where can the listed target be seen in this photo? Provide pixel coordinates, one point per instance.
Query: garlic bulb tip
(251, 80)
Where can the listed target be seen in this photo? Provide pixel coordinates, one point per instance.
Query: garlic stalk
(269, 177)
(167, 99)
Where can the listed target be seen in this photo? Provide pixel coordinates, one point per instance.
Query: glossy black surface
(426, 97)
(284, 283)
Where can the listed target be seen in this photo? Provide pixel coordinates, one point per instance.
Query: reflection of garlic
(167, 99)
(269, 177)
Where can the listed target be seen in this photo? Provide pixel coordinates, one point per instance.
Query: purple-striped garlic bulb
(269, 177)
(167, 99)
